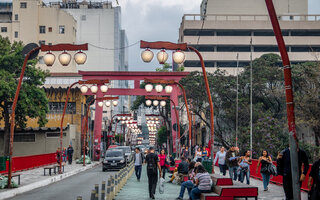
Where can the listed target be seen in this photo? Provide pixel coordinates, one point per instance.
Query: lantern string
(113, 49)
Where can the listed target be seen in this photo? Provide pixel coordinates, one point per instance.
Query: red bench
(225, 189)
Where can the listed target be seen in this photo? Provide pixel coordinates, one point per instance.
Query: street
(68, 189)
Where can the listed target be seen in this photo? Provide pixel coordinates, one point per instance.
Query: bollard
(96, 187)
(103, 190)
(108, 189)
(79, 198)
(115, 184)
(112, 187)
(93, 195)
(97, 196)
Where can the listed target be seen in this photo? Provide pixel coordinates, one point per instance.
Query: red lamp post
(49, 59)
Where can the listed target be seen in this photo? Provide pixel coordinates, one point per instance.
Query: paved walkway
(32, 179)
(134, 190)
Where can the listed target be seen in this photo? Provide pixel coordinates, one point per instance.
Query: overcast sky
(154, 20)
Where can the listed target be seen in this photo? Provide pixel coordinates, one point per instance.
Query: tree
(32, 101)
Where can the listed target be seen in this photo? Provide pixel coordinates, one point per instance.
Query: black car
(114, 159)
(127, 152)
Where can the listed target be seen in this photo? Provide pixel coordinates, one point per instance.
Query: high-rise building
(229, 30)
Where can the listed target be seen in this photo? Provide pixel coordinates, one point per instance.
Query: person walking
(58, 155)
(314, 181)
(221, 157)
(198, 155)
(70, 154)
(138, 160)
(264, 160)
(204, 153)
(152, 172)
(185, 152)
(284, 169)
(162, 160)
(232, 158)
(182, 150)
(244, 167)
(202, 182)
(64, 155)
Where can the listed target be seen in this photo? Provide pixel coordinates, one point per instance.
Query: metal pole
(289, 100)
(13, 109)
(251, 90)
(209, 100)
(237, 99)
(178, 124)
(61, 124)
(188, 113)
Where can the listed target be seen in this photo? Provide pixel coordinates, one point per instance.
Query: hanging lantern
(147, 55)
(148, 102)
(49, 59)
(162, 103)
(162, 56)
(168, 89)
(80, 58)
(100, 103)
(178, 57)
(104, 88)
(94, 89)
(148, 87)
(159, 88)
(108, 104)
(155, 102)
(64, 58)
(84, 89)
(115, 103)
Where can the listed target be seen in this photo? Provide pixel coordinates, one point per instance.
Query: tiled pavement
(135, 190)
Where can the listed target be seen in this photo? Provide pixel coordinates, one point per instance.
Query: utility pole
(251, 90)
(237, 99)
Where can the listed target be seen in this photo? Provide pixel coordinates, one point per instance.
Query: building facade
(234, 30)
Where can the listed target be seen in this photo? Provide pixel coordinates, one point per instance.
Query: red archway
(137, 77)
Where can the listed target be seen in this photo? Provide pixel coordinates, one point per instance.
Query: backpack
(152, 165)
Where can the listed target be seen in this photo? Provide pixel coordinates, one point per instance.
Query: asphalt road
(68, 189)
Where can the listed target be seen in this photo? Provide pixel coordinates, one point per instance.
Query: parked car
(114, 159)
(127, 151)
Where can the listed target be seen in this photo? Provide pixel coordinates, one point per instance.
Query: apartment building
(232, 30)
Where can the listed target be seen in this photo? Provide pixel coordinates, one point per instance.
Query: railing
(30, 162)
(197, 17)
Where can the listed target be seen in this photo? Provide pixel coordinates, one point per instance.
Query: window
(57, 107)
(16, 34)
(41, 60)
(50, 29)
(61, 29)
(83, 17)
(42, 42)
(4, 29)
(23, 5)
(16, 17)
(42, 29)
(24, 137)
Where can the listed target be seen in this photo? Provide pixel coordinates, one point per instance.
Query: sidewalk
(134, 190)
(34, 178)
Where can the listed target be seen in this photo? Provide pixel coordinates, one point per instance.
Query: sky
(159, 20)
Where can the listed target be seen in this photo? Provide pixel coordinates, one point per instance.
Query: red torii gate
(137, 77)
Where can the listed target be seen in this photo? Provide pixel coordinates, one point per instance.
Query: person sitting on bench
(202, 182)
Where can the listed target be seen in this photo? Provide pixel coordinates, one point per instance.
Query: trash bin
(207, 164)
(3, 163)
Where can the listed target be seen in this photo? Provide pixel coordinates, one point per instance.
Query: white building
(230, 26)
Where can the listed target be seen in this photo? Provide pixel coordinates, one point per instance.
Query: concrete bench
(221, 180)
(50, 168)
(213, 196)
(238, 190)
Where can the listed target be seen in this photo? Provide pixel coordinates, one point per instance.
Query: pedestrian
(186, 152)
(86, 150)
(171, 160)
(221, 157)
(138, 160)
(208, 150)
(64, 155)
(189, 183)
(181, 170)
(204, 153)
(182, 150)
(314, 181)
(232, 158)
(284, 169)
(265, 160)
(70, 154)
(162, 160)
(195, 148)
(198, 155)
(244, 166)
(58, 153)
(202, 182)
(152, 172)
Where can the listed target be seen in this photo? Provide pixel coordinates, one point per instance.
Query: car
(114, 159)
(127, 151)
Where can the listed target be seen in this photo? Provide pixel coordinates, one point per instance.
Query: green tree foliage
(269, 107)
(32, 100)
(162, 135)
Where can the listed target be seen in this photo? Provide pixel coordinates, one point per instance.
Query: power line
(110, 49)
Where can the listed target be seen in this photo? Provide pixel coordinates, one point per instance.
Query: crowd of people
(199, 180)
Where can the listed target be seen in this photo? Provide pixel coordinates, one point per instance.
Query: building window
(41, 60)
(42, 42)
(24, 137)
(83, 17)
(42, 29)
(61, 29)
(50, 29)
(4, 29)
(16, 34)
(57, 108)
(23, 5)
(16, 17)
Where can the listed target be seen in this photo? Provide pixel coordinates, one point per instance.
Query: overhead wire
(113, 49)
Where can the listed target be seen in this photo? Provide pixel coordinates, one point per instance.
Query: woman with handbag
(162, 159)
(265, 160)
(244, 167)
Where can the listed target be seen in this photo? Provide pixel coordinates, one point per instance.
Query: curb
(53, 179)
